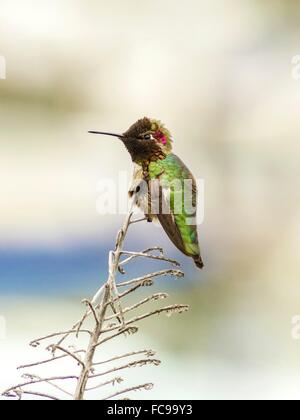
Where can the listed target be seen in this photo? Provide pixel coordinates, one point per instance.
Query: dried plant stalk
(105, 327)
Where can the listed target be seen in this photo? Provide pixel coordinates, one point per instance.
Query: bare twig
(138, 220)
(168, 309)
(128, 330)
(146, 251)
(114, 381)
(155, 296)
(37, 342)
(145, 387)
(151, 276)
(37, 381)
(43, 362)
(55, 347)
(92, 309)
(34, 377)
(152, 257)
(149, 353)
(19, 394)
(137, 363)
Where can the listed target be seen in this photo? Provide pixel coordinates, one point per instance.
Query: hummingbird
(150, 143)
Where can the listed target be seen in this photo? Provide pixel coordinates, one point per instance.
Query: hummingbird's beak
(120, 136)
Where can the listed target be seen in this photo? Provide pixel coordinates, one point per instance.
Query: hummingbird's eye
(147, 137)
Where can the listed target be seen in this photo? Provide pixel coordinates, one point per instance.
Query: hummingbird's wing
(179, 224)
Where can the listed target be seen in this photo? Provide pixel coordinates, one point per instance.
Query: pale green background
(219, 74)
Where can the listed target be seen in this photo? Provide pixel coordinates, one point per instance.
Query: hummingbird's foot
(149, 218)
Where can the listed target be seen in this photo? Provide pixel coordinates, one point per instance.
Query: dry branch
(105, 307)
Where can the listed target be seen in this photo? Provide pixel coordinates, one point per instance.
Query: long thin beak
(120, 136)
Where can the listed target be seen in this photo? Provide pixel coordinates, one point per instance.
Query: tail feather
(198, 261)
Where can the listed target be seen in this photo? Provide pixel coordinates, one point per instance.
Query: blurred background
(219, 75)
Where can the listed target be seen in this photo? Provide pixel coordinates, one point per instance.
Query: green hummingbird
(149, 143)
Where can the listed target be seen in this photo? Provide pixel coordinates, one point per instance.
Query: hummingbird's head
(145, 140)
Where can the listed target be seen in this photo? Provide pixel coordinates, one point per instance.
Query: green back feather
(168, 170)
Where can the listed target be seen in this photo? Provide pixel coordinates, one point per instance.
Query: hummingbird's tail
(198, 261)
